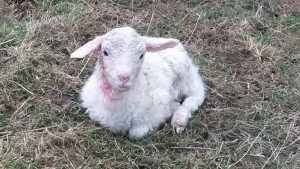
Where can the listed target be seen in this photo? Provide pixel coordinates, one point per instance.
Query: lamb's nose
(124, 78)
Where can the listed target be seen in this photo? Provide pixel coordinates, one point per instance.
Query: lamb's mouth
(123, 87)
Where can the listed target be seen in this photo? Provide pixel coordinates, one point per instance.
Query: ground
(248, 52)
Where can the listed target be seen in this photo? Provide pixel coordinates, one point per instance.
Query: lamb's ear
(88, 48)
(158, 44)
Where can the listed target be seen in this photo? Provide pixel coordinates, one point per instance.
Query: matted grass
(248, 52)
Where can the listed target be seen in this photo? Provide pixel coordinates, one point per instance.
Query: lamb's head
(121, 54)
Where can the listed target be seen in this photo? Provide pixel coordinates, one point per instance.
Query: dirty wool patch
(248, 53)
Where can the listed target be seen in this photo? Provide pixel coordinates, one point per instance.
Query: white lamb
(139, 82)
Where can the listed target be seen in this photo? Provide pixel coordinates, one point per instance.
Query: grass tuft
(248, 53)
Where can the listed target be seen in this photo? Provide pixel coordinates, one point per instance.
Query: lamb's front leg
(184, 112)
(139, 131)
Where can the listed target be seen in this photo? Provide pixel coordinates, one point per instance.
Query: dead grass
(248, 52)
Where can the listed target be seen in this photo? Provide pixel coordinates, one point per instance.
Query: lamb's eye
(141, 57)
(105, 53)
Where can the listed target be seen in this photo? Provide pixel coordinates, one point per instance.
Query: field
(248, 52)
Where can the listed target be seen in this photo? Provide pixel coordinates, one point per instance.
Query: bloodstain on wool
(107, 89)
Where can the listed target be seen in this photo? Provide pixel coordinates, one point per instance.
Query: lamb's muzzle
(139, 81)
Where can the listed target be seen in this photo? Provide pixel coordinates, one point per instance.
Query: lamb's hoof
(178, 126)
(179, 120)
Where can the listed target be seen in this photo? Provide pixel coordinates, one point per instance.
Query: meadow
(248, 52)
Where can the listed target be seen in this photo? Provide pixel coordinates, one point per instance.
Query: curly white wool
(139, 82)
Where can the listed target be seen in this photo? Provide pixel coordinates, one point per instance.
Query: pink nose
(124, 78)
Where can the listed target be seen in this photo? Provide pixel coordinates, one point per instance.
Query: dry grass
(248, 51)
